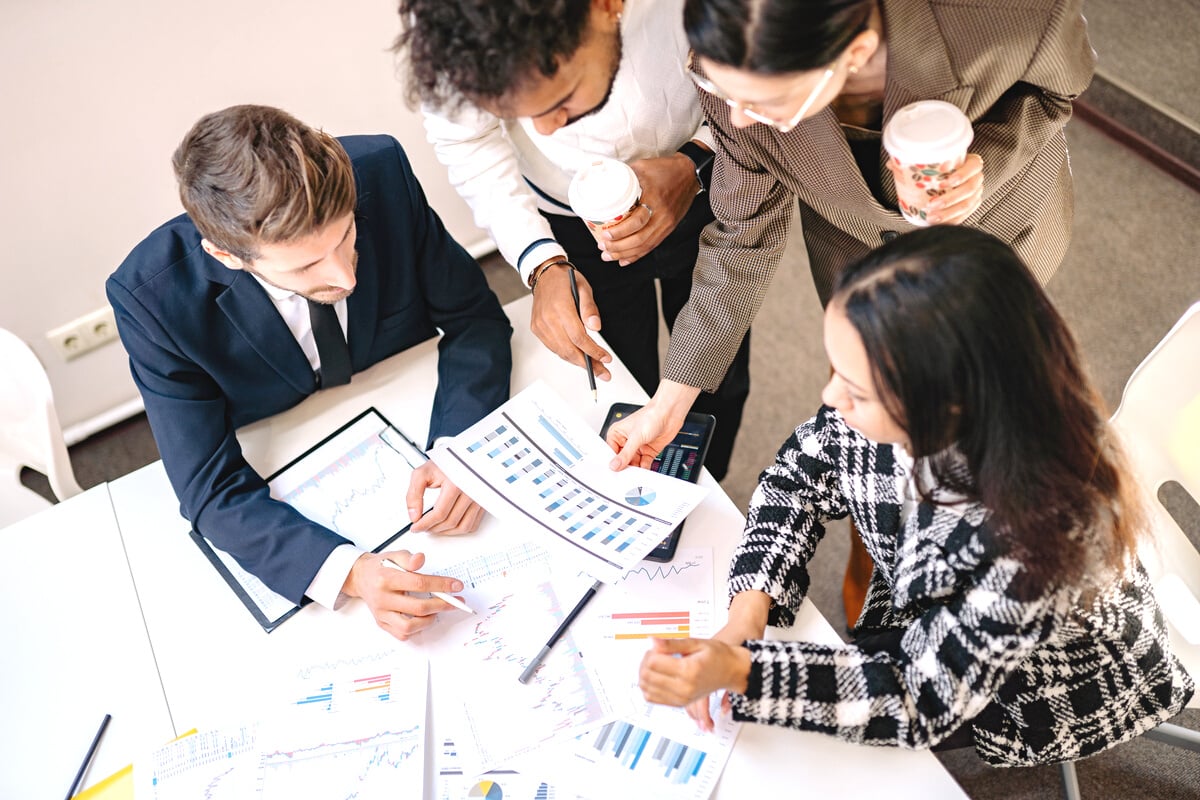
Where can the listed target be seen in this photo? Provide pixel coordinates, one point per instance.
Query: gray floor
(1131, 271)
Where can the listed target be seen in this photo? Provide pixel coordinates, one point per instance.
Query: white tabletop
(75, 649)
(215, 660)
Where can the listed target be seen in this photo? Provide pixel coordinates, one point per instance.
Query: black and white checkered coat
(1041, 680)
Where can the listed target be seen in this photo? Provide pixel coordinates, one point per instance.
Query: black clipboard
(368, 444)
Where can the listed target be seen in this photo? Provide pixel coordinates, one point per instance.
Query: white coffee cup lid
(927, 132)
(603, 190)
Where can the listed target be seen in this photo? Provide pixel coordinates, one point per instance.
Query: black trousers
(629, 314)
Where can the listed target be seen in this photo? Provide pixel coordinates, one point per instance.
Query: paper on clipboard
(352, 482)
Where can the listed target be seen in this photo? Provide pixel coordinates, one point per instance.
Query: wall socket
(84, 334)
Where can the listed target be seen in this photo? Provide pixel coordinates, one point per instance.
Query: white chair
(1159, 424)
(30, 435)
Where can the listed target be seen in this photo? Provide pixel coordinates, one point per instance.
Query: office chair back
(30, 434)
(1159, 422)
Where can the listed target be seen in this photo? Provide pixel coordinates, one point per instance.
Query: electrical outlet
(84, 334)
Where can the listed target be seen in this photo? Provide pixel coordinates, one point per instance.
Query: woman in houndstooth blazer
(797, 93)
(1007, 606)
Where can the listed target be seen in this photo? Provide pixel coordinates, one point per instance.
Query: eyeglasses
(749, 110)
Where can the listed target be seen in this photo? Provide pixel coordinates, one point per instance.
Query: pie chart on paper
(640, 496)
(489, 790)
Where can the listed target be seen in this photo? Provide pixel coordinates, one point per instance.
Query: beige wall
(95, 98)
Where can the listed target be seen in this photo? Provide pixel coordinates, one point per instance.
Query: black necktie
(331, 345)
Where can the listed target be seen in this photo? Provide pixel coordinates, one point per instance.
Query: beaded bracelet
(538, 272)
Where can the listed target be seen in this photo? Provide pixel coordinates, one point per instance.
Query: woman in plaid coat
(1007, 606)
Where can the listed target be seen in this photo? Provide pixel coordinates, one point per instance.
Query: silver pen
(449, 598)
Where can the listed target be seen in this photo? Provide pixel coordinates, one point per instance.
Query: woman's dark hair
(774, 36)
(967, 350)
(482, 49)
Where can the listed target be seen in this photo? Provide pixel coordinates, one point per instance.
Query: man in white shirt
(302, 260)
(517, 98)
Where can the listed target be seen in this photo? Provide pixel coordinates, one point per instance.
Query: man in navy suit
(214, 310)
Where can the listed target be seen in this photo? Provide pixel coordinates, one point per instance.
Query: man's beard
(616, 67)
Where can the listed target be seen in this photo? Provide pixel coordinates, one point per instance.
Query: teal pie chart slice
(640, 496)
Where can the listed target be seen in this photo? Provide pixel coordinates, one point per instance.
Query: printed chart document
(647, 751)
(477, 659)
(535, 464)
(349, 728)
(353, 482)
(455, 784)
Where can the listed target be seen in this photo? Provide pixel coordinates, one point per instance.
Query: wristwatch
(702, 160)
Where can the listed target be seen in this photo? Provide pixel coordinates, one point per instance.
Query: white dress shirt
(494, 163)
(326, 586)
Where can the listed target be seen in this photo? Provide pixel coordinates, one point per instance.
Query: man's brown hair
(252, 175)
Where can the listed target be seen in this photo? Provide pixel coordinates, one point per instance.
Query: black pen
(558, 633)
(87, 759)
(586, 358)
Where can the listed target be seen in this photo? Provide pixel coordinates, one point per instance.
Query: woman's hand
(747, 621)
(962, 196)
(642, 435)
(680, 672)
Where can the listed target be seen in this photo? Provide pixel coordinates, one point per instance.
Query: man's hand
(453, 512)
(387, 592)
(556, 323)
(642, 435)
(677, 672)
(668, 188)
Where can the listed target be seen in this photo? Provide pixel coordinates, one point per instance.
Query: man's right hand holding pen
(558, 325)
(394, 595)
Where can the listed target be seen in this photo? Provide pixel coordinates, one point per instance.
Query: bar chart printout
(656, 752)
(341, 732)
(534, 463)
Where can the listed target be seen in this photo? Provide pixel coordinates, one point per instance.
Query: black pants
(629, 314)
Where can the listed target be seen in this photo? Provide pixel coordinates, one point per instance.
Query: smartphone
(682, 459)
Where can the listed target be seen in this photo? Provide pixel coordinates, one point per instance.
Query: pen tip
(595, 399)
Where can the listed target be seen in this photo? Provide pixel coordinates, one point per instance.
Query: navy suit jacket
(210, 353)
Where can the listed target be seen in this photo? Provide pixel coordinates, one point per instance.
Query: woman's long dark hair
(774, 36)
(967, 350)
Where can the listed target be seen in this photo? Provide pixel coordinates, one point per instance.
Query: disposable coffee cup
(927, 140)
(603, 193)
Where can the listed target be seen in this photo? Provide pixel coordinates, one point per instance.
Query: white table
(75, 648)
(215, 660)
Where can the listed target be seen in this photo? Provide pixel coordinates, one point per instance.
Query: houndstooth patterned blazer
(1013, 66)
(1040, 680)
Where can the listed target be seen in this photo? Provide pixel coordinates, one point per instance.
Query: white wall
(95, 97)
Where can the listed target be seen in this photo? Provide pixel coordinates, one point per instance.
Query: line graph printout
(534, 463)
(352, 729)
(215, 765)
(477, 660)
(354, 482)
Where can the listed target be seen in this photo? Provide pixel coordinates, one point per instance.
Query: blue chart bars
(586, 517)
(639, 749)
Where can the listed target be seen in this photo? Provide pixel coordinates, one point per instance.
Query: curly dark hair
(483, 49)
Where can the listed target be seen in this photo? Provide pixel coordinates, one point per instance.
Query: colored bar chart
(532, 462)
(652, 624)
